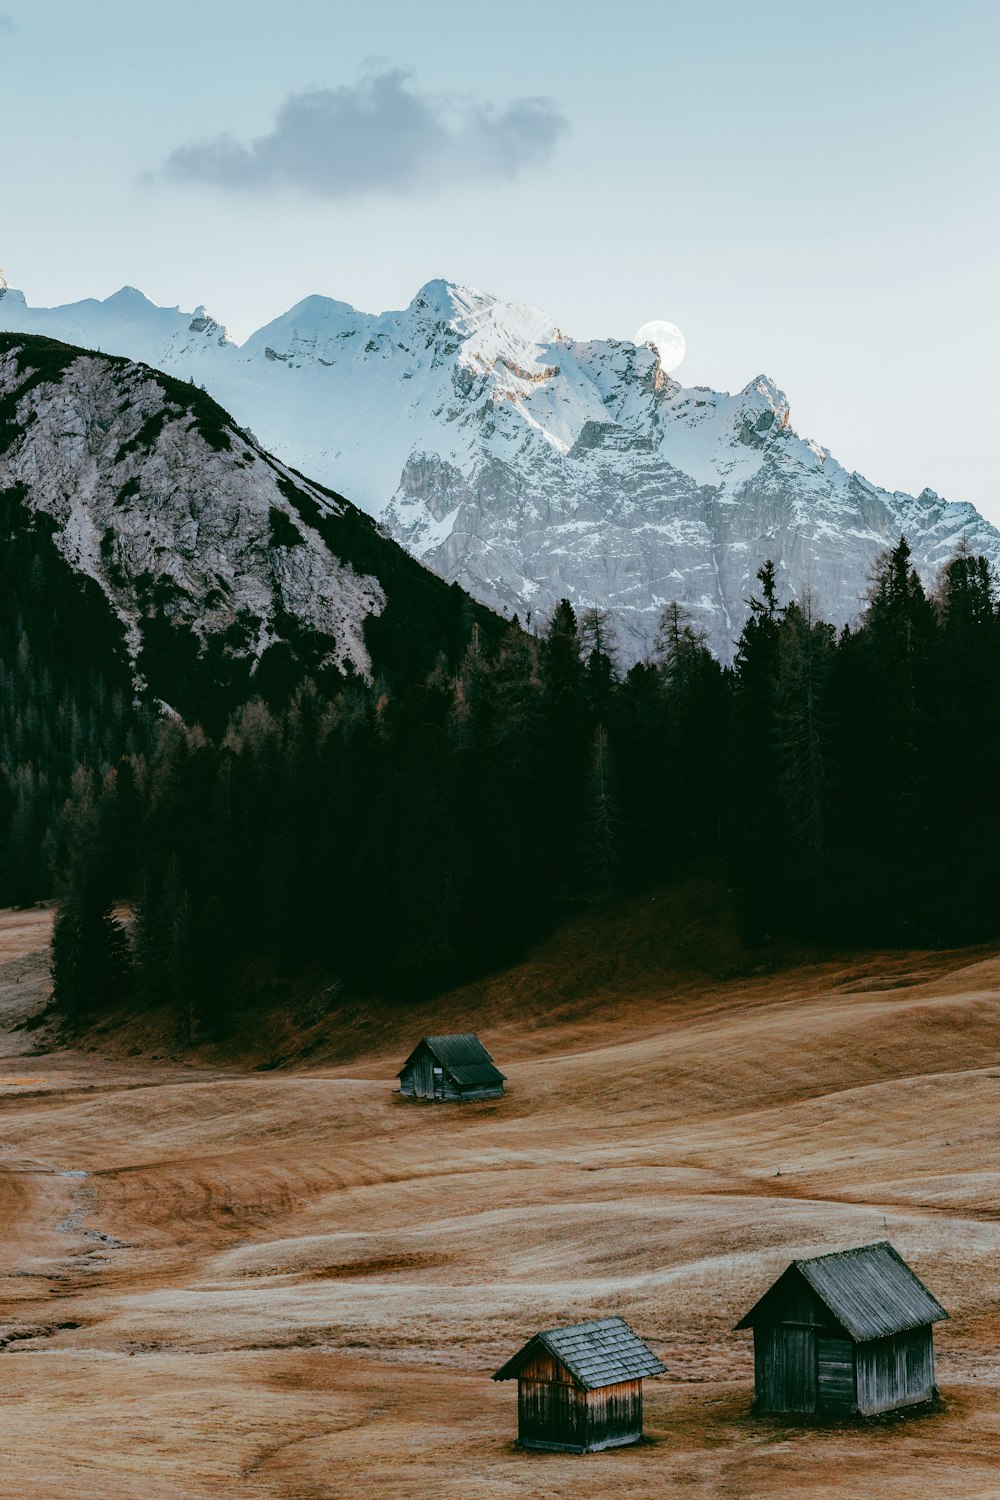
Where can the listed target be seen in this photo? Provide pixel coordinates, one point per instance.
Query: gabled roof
(463, 1056)
(871, 1292)
(602, 1352)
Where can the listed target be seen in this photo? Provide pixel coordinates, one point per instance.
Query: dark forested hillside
(154, 560)
(399, 838)
(232, 709)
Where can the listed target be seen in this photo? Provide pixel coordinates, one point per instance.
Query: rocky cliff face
(529, 466)
(172, 510)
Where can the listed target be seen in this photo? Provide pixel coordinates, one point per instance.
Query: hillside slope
(216, 563)
(529, 465)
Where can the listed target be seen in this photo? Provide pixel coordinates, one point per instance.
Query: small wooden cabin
(842, 1333)
(579, 1389)
(450, 1067)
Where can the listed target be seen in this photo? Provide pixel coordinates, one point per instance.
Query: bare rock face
(529, 466)
(167, 505)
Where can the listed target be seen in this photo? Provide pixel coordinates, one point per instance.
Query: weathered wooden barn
(579, 1389)
(450, 1067)
(841, 1333)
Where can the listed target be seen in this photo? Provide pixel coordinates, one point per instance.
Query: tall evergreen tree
(897, 638)
(90, 964)
(965, 733)
(602, 817)
(755, 803)
(803, 728)
(566, 723)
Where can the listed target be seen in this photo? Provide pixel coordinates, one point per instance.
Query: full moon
(667, 340)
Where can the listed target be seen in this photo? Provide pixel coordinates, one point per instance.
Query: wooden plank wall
(835, 1373)
(407, 1082)
(418, 1079)
(792, 1300)
(614, 1414)
(785, 1364)
(541, 1365)
(896, 1372)
(551, 1413)
(554, 1412)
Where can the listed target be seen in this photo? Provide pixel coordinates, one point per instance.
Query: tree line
(400, 838)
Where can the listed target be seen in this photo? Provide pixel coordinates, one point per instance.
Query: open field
(292, 1284)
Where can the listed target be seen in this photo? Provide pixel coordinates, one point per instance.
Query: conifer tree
(564, 749)
(90, 955)
(755, 800)
(602, 817)
(897, 637)
(963, 748)
(599, 648)
(803, 727)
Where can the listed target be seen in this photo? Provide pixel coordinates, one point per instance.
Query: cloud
(381, 136)
(8, 26)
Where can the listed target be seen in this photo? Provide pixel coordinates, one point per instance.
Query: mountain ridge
(205, 548)
(528, 466)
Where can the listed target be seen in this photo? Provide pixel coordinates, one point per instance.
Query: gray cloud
(382, 136)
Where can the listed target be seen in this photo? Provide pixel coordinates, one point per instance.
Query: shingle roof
(871, 1291)
(463, 1056)
(601, 1352)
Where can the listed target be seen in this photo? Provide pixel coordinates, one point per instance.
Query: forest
(401, 836)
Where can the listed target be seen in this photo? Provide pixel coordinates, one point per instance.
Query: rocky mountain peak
(130, 298)
(529, 466)
(764, 389)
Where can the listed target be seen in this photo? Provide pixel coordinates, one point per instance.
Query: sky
(808, 191)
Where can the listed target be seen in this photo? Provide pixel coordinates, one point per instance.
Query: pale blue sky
(807, 190)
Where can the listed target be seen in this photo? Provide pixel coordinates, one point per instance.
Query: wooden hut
(579, 1389)
(450, 1067)
(849, 1332)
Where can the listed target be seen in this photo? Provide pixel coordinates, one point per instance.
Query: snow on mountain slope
(528, 465)
(126, 323)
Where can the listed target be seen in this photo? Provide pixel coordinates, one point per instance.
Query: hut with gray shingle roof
(579, 1389)
(450, 1067)
(842, 1333)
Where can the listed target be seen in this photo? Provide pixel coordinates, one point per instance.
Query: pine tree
(564, 750)
(803, 727)
(755, 803)
(89, 961)
(90, 966)
(695, 698)
(966, 730)
(598, 637)
(602, 817)
(898, 636)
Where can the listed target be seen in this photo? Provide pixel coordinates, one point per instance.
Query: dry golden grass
(293, 1284)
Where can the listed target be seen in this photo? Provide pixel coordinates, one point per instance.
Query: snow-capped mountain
(201, 544)
(529, 466)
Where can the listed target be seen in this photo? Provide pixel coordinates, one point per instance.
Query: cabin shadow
(826, 1421)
